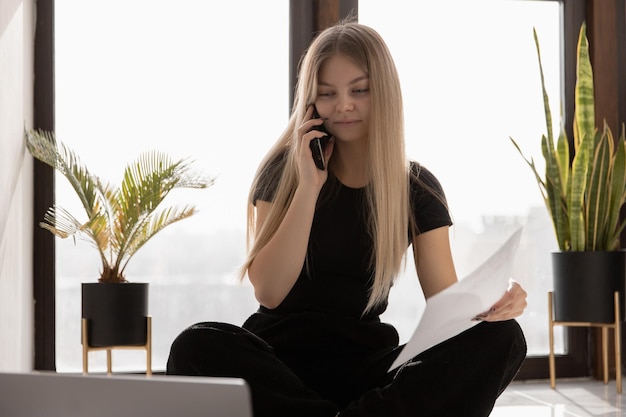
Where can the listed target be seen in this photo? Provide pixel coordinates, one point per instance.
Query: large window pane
(208, 80)
(470, 80)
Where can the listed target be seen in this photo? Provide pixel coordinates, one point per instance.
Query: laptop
(49, 394)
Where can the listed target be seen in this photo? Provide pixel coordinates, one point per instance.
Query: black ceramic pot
(116, 313)
(584, 285)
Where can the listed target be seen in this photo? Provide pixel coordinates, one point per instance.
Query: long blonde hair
(387, 194)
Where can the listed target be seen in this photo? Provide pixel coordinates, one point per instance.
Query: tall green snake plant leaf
(120, 220)
(584, 197)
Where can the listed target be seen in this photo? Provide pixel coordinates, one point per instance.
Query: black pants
(460, 377)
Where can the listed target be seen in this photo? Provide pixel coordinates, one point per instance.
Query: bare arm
(276, 267)
(433, 261)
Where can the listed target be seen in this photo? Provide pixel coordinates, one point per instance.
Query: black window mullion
(43, 191)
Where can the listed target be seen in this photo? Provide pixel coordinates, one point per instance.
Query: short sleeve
(428, 200)
(268, 179)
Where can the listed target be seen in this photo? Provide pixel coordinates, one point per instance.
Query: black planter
(116, 313)
(584, 285)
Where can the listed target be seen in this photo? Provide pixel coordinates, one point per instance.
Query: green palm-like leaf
(43, 146)
(60, 222)
(119, 220)
(157, 222)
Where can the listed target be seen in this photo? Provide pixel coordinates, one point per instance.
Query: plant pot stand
(605, 336)
(86, 348)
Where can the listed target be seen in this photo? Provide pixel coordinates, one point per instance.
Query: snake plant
(584, 196)
(120, 220)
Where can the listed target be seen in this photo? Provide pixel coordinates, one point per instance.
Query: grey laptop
(39, 394)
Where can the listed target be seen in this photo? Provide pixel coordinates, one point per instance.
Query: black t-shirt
(336, 276)
(322, 316)
(319, 330)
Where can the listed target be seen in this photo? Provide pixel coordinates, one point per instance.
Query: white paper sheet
(451, 311)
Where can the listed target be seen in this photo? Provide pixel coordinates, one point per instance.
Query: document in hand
(451, 311)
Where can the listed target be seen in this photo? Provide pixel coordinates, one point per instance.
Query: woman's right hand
(309, 173)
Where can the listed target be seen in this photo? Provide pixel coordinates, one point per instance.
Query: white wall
(16, 90)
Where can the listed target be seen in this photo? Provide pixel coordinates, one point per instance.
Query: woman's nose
(345, 103)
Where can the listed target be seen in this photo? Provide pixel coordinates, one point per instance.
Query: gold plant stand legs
(86, 348)
(605, 342)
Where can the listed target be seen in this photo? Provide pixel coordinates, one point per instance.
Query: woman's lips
(345, 123)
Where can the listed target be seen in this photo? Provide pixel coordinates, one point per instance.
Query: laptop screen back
(49, 394)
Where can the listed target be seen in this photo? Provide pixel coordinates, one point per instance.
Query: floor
(570, 398)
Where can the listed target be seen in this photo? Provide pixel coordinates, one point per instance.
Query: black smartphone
(319, 144)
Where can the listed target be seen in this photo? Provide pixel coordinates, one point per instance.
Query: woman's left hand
(511, 305)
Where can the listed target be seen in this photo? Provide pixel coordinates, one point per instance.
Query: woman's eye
(361, 90)
(324, 94)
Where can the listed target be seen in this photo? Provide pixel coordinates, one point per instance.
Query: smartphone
(319, 144)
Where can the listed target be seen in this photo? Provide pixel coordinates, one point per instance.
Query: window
(470, 80)
(208, 80)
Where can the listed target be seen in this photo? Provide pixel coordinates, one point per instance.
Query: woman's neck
(349, 164)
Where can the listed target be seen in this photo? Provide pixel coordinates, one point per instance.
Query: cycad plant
(120, 220)
(584, 196)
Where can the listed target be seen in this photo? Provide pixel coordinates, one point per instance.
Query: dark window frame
(44, 284)
(307, 17)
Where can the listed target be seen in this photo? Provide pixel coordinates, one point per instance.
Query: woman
(327, 245)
